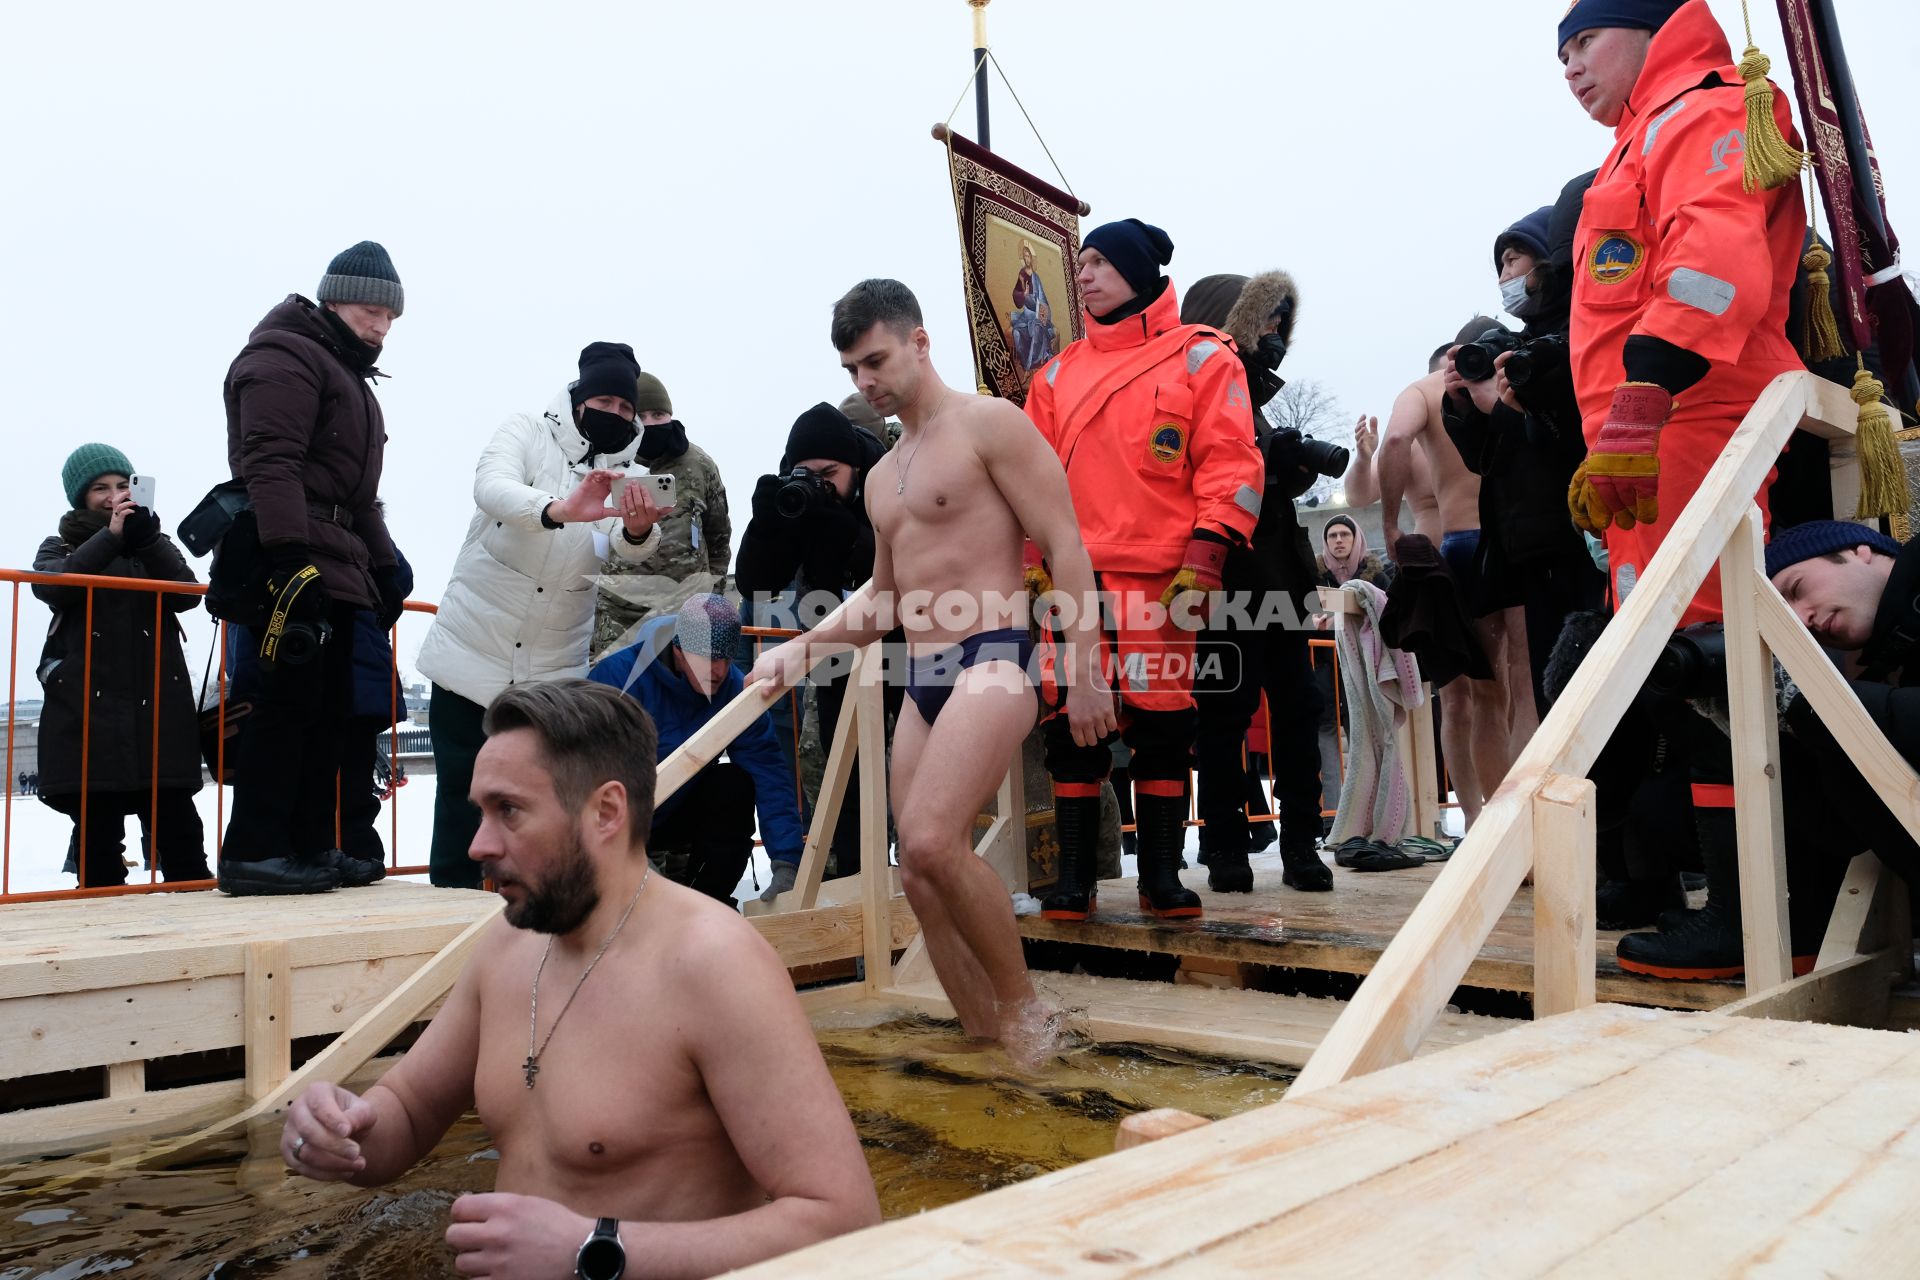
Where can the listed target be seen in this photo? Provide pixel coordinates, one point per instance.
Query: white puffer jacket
(520, 605)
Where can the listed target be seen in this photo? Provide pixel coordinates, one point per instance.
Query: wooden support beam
(268, 1002)
(1759, 828)
(876, 881)
(1004, 847)
(1139, 1129)
(1424, 765)
(1564, 854)
(1853, 928)
(805, 893)
(1853, 993)
(127, 1079)
(709, 741)
(1416, 975)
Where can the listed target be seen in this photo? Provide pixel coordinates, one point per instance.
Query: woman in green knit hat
(106, 695)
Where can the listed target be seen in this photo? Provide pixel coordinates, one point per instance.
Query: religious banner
(1019, 246)
(1879, 306)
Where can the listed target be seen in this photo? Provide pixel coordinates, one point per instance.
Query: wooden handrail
(1418, 972)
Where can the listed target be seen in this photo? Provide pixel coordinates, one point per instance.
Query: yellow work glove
(1619, 483)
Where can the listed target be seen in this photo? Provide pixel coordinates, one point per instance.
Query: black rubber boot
(1302, 869)
(274, 876)
(1228, 872)
(1076, 822)
(1704, 944)
(1635, 904)
(1162, 832)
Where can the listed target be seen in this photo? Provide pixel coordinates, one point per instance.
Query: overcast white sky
(702, 180)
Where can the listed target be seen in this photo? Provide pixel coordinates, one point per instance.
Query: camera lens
(793, 498)
(1474, 362)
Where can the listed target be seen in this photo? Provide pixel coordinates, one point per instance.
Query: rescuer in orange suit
(1681, 282)
(1152, 420)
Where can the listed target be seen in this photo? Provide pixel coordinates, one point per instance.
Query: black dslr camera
(802, 491)
(1293, 460)
(1531, 360)
(1693, 665)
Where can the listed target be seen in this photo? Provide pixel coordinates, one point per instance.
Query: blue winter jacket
(678, 710)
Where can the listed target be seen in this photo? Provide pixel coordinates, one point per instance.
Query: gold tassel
(1883, 477)
(1770, 161)
(1822, 340)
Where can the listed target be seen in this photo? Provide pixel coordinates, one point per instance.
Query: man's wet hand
(318, 1139)
(781, 667)
(1090, 713)
(510, 1237)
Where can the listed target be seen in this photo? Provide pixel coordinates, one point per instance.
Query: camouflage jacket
(696, 544)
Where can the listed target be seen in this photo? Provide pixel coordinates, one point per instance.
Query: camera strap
(283, 609)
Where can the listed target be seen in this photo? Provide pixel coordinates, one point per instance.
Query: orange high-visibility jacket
(1153, 424)
(1670, 245)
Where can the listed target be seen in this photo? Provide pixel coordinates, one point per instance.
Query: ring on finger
(298, 1143)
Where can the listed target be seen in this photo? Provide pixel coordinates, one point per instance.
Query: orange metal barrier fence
(221, 684)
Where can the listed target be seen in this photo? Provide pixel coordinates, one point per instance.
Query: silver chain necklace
(532, 1065)
(919, 445)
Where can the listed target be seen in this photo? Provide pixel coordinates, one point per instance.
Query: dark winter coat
(119, 690)
(1889, 682)
(305, 433)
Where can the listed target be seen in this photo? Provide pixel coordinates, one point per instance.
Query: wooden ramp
(1597, 1142)
(1345, 931)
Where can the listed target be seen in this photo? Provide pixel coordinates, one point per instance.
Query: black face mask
(662, 443)
(358, 355)
(1262, 380)
(608, 433)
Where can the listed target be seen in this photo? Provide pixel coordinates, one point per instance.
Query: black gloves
(139, 529)
(393, 601)
(763, 498)
(293, 584)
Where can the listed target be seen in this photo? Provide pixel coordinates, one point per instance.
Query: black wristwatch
(602, 1257)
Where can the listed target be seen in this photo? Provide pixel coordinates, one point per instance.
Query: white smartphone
(140, 489)
(662, 488)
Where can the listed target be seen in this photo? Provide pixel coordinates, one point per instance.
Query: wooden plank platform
(1256, 1025)
(1345, 931)
(1691, 1144)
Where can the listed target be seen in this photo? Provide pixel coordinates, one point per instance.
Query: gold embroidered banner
(1019, 243)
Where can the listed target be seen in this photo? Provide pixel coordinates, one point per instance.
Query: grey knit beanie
(363, 273)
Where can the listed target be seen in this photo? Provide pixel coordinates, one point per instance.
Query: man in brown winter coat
(306, 436)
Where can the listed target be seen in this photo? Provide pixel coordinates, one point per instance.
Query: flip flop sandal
(1427, 850)
(1347, 850)
(1383, 857)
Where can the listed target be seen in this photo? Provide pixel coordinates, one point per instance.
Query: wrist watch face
(601, 1258)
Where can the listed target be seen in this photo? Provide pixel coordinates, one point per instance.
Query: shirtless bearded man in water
(616, 1032)
(969, 474)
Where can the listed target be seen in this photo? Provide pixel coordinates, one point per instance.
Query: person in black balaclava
(696, 537)
(809, 534)
(513, 611)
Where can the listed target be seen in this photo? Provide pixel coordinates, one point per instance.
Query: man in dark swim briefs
(969, 474)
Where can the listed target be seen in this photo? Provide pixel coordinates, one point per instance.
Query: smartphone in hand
(662, 488)
(140, 489)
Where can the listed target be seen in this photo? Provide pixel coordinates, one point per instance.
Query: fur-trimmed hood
(1256, 302)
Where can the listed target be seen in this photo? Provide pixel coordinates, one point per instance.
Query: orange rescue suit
(1153, 424)
(1670, 245)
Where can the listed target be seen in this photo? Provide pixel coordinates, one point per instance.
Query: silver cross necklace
(532, 1065)
(918, 445)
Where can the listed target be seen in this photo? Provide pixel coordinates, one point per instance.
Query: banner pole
(979, 8)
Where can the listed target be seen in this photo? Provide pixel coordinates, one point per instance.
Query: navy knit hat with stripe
(1585, 15)
(363, 273)
(1824, 538)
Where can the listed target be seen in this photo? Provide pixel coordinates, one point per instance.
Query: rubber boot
(1162, 832)
(1302, 869)
(1635, 904)
(1076, 821)
(1227, 870)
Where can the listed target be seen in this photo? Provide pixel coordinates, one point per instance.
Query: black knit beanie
(607, 369)
(365, 274)
(1136, 249)
(1824, 538)
(823, 432)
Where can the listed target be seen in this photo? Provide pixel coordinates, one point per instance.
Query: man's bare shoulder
(994, 424)
(701, 933)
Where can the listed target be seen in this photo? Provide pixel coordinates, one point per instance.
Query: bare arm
(374, 1139)
(797, 1141)
(1362, 481)
(864, 617)
(1395, 461)
(1029, 476)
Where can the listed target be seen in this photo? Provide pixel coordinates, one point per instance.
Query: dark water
(940, 1120)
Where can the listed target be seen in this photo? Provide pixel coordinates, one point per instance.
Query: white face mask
(1514, 298)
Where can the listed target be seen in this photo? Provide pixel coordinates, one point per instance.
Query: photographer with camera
(1511, 412)
(105, 695)
(809, 533)
(519, 607)
(306, 439)
(1258, 314)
